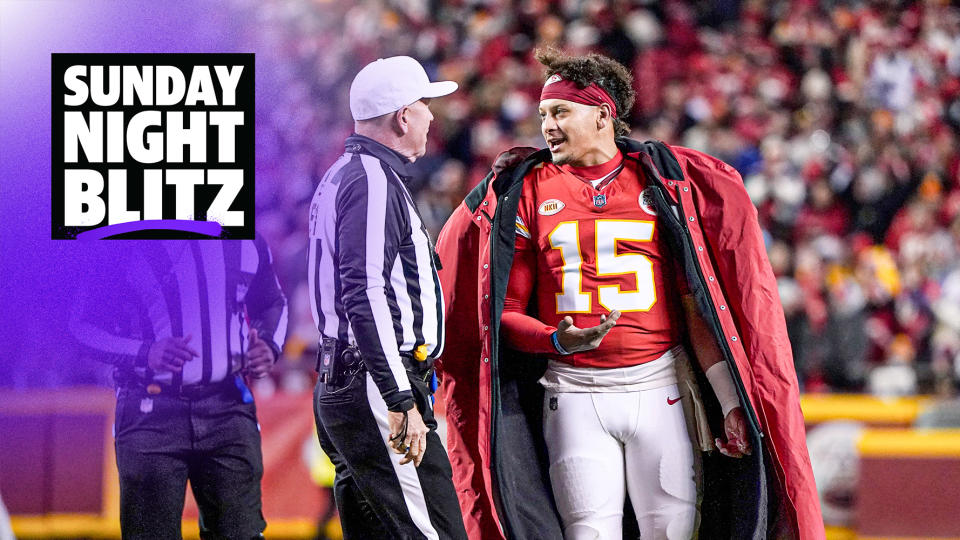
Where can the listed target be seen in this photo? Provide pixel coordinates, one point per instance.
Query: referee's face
(418, 122)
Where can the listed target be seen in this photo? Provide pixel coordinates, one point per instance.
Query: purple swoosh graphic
(207, 228)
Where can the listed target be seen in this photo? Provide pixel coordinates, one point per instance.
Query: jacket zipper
(728, 354)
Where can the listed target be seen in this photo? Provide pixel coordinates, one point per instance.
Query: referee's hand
(260, 358)
(414, 445)
(169, 354)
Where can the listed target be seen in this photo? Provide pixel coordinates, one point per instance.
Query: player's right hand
(574, 339)
(169, 354)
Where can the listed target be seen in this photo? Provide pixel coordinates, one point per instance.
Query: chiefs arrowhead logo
(553, 78)
(551, 207)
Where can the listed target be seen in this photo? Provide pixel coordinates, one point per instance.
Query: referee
(376, 300)
(182, 321)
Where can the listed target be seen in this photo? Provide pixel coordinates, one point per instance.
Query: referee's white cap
(388, 84)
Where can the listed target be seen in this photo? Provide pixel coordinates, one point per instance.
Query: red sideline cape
(742, 295)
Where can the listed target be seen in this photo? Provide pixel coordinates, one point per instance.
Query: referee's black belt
(189, 392)
(337, 358)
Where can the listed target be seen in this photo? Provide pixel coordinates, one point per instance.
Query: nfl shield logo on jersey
(599, 201)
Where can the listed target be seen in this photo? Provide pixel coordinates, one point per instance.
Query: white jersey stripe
(312, 284)
(323, 227)
(406, 474)
(185, 268)
(376, 217)
(428, 295)
(403, 303)
(213, 265)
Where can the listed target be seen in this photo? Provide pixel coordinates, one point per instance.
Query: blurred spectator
(836, 469)
(896, 377)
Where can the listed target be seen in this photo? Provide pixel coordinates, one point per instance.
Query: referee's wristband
(556, 344)
(403, 406)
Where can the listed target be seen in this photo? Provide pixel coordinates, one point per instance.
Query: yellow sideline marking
(907, 538)
(840, 533)
(868, 409)
(64, 525)
(927, 443)
(90, 526)
(843, 533)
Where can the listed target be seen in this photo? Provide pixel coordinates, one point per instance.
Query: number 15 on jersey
(565, 237)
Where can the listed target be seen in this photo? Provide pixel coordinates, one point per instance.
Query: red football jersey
(584, 251)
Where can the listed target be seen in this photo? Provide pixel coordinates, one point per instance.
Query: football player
(611, 312)
(605, 256)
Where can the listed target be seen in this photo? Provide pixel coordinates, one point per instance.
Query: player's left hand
(260, 357)
(574, 339)
(735, 428)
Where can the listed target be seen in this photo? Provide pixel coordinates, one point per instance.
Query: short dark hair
(610, 75)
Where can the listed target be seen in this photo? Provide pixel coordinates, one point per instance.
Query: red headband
(557, 87)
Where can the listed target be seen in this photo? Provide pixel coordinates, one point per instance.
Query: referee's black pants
(162, 440)
(376, 496)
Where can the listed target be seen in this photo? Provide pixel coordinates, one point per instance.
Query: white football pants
(604, 445)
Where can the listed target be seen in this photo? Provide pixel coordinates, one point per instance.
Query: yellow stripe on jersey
(522, 229)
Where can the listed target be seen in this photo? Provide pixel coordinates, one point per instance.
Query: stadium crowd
(842, 118)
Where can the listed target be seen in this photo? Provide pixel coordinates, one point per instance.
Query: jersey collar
(396, 161)
(596, 172)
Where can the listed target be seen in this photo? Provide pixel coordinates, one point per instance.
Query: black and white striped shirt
(213, 291)
(373, 280)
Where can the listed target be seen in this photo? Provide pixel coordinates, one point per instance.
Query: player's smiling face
(570, 130)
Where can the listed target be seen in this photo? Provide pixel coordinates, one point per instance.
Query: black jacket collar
(663, 159)
(396, 161)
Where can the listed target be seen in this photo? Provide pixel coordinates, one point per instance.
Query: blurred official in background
(377, 302)
(183, 322)
(6, 532)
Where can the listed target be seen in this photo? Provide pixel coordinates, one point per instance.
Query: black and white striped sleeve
(101, 322)
(265, 300)
(370, 227)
